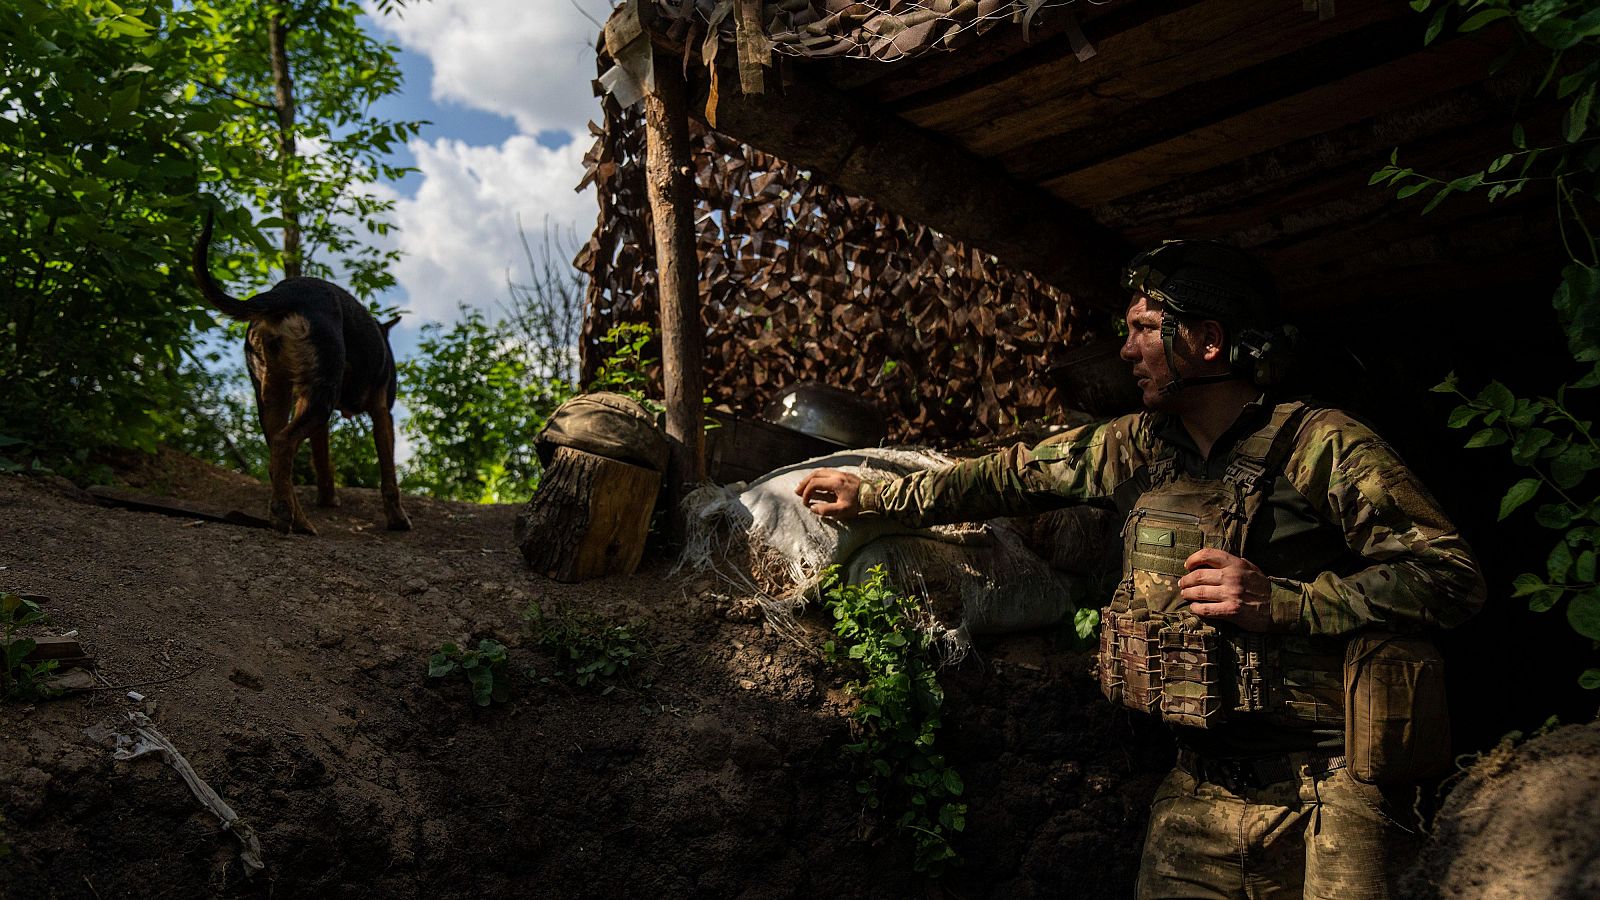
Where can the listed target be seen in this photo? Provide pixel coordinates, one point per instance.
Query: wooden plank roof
(1254, 121)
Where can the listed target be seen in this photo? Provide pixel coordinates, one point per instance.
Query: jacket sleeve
(1421, 571)
(1085, 463)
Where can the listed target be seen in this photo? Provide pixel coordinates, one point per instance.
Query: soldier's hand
(829, 492)
(1222, 586)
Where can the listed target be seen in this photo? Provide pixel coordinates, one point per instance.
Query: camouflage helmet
(1205, 280)
(1212, 280)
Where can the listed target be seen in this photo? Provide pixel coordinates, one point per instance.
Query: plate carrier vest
(1156, 656)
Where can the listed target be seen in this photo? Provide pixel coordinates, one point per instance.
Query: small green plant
(588, 648)
(898, 716)
(626, 369)
(20, 680)
(484, 668)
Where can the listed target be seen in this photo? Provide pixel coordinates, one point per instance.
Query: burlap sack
(608, 425)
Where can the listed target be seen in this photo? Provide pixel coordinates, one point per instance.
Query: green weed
(589, 649)
(20, 680)
(898, 717)
(484, 668)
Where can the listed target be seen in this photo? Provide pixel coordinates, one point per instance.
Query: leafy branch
(1544, 434)
(897, 719)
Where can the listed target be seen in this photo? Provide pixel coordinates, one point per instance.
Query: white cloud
(459, 233)
(530, 61)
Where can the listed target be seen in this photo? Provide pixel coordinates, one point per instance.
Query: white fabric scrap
(147, 739)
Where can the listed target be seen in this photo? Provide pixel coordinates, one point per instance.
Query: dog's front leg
(320, 461)
(383, 436)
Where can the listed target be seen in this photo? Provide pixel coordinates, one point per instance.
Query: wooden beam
(1349, 100)
(1437, 134)
(668, 175)
(1110, 127)
(1158, 57)
(929, 180)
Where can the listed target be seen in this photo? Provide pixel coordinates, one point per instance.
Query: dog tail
(210, 289)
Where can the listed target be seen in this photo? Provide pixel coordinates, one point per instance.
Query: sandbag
(978, 577)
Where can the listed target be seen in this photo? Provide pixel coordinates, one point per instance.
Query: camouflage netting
(884, 30)
(801, 282)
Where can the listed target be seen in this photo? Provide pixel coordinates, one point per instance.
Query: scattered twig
(122, 687)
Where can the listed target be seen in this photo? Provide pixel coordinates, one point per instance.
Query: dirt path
(297, 691)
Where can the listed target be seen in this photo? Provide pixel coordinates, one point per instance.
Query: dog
(311, 347)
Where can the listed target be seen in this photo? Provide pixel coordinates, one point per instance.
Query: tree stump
(589, 517)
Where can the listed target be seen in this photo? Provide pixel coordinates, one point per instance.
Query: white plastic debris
(135, 696)
(146, 739)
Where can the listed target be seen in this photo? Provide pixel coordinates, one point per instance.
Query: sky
(505, 85)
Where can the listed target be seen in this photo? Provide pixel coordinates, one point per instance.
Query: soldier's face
(1143, 349)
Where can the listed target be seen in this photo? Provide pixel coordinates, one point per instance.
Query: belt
(1256, 772)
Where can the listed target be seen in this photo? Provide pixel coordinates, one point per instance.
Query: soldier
(1280, 565)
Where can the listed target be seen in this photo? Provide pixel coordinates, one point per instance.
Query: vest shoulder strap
(1260, 457)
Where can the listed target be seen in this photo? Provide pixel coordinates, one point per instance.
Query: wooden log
(110, 496)
(668, 174)
(589, 517)
(67, 652)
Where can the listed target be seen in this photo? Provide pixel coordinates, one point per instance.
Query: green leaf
(1545, 600)
(1528, 444)
(1526, 585)
(1435, 25)
(1583, 613)
(1487, 437)
(1462, 416)
(1583, 570)
(1498, 396)
(1519, 137)
(1590, 679)
(1577, 120)
(1559, 563)
(1086, 622)
(1570, 467)
(1520, 493)
(1437, 199)
(953, 783)
(1555, 515)
(1411, 189)
(1478, 20)
(1499, 163)
(1447, 386)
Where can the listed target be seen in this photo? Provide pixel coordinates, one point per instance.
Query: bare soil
(290, 671)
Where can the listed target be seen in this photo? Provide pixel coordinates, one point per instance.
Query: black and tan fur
(312, 348)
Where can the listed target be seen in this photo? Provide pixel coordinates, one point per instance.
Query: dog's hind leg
(309, 415)
(383, 436)
(326, 496)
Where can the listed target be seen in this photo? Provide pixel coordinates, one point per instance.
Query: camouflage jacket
(1348, 536)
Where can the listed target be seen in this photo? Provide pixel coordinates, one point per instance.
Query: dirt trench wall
(1524, 822)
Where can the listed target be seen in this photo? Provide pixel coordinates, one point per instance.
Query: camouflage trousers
(1323, 835)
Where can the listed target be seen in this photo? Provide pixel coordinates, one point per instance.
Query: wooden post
(667, 173)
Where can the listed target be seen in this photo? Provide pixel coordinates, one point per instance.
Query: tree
(302, 77)
(97, 184)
